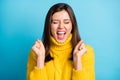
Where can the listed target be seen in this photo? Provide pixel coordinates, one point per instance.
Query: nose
(61, 25)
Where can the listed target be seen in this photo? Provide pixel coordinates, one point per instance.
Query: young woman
(62, 55)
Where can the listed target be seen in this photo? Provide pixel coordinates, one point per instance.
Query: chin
(61, 41)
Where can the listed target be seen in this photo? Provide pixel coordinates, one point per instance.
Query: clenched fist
(78, 52)
(39, 50)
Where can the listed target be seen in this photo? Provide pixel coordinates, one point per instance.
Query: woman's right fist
(39, 49)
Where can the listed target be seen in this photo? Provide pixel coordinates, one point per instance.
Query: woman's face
(61, 26)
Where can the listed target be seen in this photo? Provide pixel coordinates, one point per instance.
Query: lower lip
(60, 36)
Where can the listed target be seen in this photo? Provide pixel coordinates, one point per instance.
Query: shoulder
(89, 48)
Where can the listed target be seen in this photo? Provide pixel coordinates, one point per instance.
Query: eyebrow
(55, 20)
(66, 19)
(59, 20)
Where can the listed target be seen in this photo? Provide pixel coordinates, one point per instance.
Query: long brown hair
(47, 32)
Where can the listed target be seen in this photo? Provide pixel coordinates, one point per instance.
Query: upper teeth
(60, 32)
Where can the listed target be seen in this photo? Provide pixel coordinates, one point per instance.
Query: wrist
(77, 63)
(40, 62)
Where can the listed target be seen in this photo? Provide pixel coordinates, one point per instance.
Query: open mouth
(61, 35)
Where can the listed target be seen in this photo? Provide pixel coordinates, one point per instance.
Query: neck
(61, 46)
(61, 50)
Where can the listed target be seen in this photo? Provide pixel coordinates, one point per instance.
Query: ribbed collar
(61, 46)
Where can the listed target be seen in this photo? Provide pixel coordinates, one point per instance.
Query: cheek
(53, 30)
(69, 29)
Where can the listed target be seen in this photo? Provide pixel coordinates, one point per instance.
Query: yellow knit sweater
(61, 67)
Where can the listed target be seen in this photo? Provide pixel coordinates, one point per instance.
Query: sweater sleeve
(33, 72)
(87, 72)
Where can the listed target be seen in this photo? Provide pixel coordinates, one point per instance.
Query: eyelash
(66, 22)
(57, 22)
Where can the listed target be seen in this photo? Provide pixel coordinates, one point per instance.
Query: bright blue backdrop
(21, 23)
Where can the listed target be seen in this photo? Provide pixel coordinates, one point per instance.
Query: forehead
(61, 15)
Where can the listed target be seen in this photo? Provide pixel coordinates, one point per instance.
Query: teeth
(61, 32)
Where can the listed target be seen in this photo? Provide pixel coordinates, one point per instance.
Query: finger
(83, 47)
(41, 43)
(79, 44)
(38, 40)
(33, 47)
(82, 52)
(37, 44)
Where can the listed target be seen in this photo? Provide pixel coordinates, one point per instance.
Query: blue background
(22, 21)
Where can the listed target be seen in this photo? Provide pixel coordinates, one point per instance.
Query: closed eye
(54, 22)
(66, 22)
